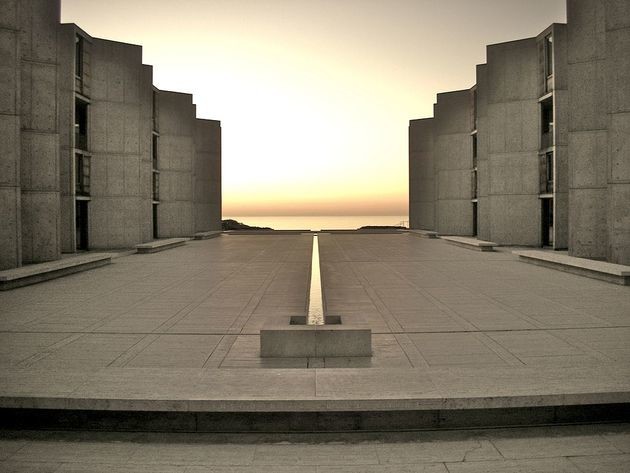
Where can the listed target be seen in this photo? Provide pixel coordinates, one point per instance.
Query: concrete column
(513, 141)
(10, 192)
(453, 163)
(39, 167)
(618, 96)
(207, 174)
(421, 175)
(588, 129)
(176, 161)
(483, 171)
(119, 142)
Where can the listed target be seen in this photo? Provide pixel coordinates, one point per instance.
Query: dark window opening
(154, 152)
(80, 124)
(82, 174)
(474, 150)
(475, 219)
(155, 221)
(154, 105)
(78, 56)
(549, 172)
(549, 56)
(547, 222)
(546, 120)
(156, 186)
(81, 227)
(475, 109)
(474, 183)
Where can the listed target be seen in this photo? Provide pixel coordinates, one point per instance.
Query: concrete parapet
(614, 273)
(470, 243)
(35, 273)
(160, 245)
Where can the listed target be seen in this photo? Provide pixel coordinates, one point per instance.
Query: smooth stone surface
(602, 270)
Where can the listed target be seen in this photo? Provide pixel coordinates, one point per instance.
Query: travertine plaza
(536, 153)
(93, 155)
(479, 362)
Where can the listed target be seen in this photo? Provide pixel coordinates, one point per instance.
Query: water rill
(317, 334)
(315, 314)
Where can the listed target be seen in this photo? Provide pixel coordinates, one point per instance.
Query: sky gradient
(314, 96)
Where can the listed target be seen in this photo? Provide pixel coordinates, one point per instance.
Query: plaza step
(160, 245)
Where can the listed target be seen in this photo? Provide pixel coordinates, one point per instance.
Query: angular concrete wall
(599, 129)
(10, 103)
(561, 128)
(483, 172)
(453, 163)
(421, 175)
(39, 159)
(176, 156)
(118, 213)
(513, 124)
(145, 188)
(207, 172)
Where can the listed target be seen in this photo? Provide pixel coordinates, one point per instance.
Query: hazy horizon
(314, 96)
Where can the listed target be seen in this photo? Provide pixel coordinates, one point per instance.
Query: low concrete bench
(423, 233)
(207, 235)
(160, 245)
(614, 273)
(470, 243)
(287, 337)
(35, 273)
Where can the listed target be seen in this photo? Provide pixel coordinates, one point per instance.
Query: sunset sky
(314, 96)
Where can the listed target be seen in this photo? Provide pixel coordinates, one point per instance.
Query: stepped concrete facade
(81, 146)
(548, 142)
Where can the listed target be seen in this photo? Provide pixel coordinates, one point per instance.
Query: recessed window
(78, 56)
(156, 186)
(80, 124)
(549, 56)
(154, 151)
(82, 174)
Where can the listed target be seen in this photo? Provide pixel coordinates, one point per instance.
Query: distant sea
(346, 222)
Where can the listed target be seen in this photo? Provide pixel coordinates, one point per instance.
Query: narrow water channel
(315, 300)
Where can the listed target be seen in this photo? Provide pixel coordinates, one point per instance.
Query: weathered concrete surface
(156, 246)
(120, 145)
(176, 156)
(207, 175)
(451, 328)
(452, 154)
(421, 175)
(599, 38)
(567, 449)
(513, 117)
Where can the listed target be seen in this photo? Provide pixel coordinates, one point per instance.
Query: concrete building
(547, 149)
(29, 133)
(83, 156)
(599, 129)
(421, 174)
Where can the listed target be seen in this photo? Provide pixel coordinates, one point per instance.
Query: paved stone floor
(560, 449)
(429, 304)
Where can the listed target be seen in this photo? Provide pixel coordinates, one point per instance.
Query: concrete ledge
(470, 243)
(609, 272)
(282, 339)
(35, 273)
(300, 421)
(207, 235)
(423, 233)
(160, 245)
(266, 232)
(367, 231)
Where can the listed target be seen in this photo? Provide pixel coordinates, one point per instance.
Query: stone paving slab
(447, 323)
(559, 449)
